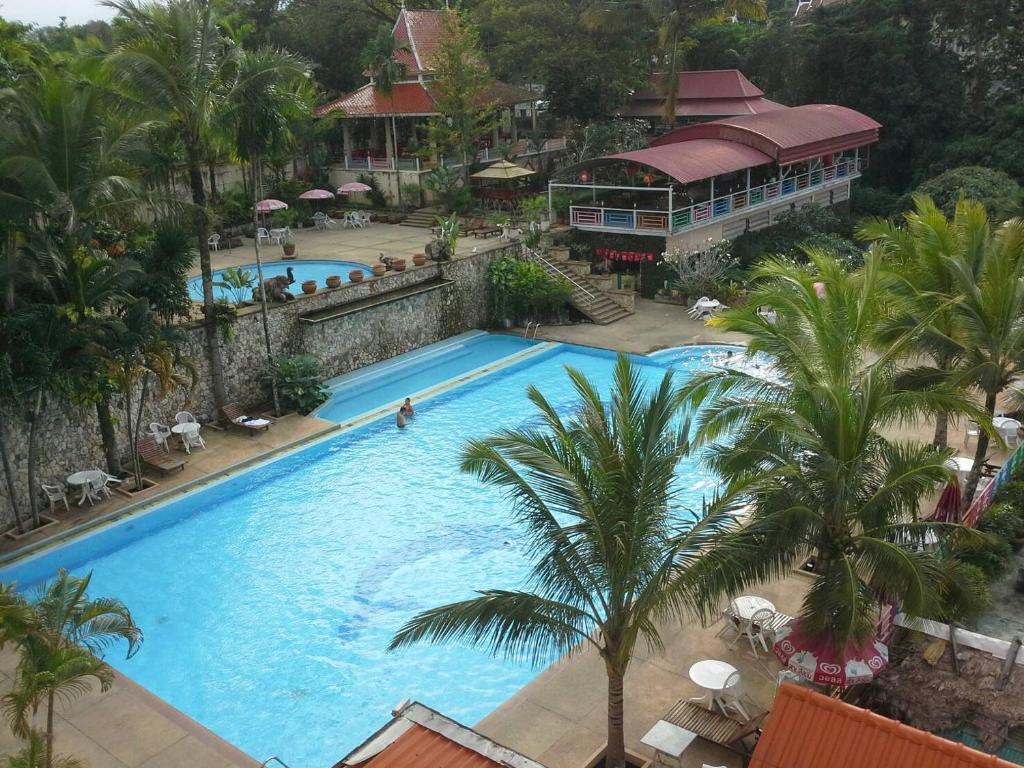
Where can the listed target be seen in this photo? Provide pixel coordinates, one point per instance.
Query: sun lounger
(234, 414)
(472, 226)
(152, 456)
(713, 726)
(486, 231)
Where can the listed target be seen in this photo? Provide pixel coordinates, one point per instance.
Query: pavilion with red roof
(701, 95)
(718, 179)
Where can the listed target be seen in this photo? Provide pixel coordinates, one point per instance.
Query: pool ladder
(274, 759)
(536, 329)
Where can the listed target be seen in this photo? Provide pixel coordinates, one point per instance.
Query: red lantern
(648, 178)
(585, 176)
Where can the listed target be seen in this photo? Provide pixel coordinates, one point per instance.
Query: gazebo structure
(385, 133)
(719, 179)
(701, 96)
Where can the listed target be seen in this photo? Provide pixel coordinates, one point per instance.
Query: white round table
(711, 674)
(1001, 421)
(85, 478)
(183, 429)
(746, 606)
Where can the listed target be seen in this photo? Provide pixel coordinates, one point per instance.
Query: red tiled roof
(808, 730)
(405, 99)
(420, 31)
(694, 160)
(701, 107)
(419, 737)
(789, 135)
(704, 84)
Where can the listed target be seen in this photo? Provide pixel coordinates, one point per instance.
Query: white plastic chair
(214, 241)
(192, 439)
(322, 221)
(698, 307)
(361, 219)
(97, 489)
(161, 433)
(1009, 430)
(729, 697)
(973, 430)
(262, 234)
(184, 417)
(55, 495)
(106, 482)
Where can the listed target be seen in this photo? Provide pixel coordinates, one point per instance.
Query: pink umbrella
(353, 186)
(948, 508)
(815, 659)
(316, 194)
(266, 206)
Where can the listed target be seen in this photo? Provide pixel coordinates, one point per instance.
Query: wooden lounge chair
(472, 225)
(152, 456)
(712, 726)
(486, 231)
(235, 415)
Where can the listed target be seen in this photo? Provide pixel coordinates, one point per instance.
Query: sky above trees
(49, 12)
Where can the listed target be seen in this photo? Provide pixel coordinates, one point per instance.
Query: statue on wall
(276, 288)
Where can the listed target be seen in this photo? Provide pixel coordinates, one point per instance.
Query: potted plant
(398, 265)
(309, 286)
(419, 259)
(334, 281)
(355, 276)
(289, 249)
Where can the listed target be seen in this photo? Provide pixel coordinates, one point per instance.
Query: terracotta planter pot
(419, 259)
(355, 276)
(379, 269)
(398, 265)
(334, 281)
(309, 286)
(289, 249)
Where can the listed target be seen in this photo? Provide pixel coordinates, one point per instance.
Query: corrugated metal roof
(368, 101)
(701, 107)
(788, 135)
(704, 84)
(419, 747)
(808, 730)
(695, 160)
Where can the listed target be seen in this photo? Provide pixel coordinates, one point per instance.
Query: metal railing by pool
(662, 222)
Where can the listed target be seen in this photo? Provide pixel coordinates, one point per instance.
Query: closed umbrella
(948, 508)
(815, 659)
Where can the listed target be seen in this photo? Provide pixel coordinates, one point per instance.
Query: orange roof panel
(808, 730)
(420, 747)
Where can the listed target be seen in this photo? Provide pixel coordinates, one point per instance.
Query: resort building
(385, 132)
(717, 180)
(419, 737)
(701, 96)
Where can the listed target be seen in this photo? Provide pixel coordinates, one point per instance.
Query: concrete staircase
(594, 305)
(424, 218)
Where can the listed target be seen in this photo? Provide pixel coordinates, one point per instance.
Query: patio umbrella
(815, 659)
(353, 186)
(268, 205)
(503, 170)
(948, 508)
(316, 194)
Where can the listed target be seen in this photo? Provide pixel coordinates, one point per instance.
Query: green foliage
(233, 208)
(605, 137)
(376, 195)
(522, 289)
(446, 184)
(299, 382)
(1003, 520)
(794, 232)
(166, 259)
(876, 201)
(976, 590)
(990, 555)
(1000, 194)
(411, 194)
(238, 283)
(534, 209)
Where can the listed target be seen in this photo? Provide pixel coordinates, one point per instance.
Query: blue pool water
(393, 380)
(268, 598)
(314, 269)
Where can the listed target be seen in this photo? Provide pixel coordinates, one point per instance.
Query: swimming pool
(268, 598)
(312, 269)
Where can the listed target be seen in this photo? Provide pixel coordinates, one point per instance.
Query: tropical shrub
(990, 554)
(1003, 521)
(700, 271)
(299, 382)
(1000, 194)
(795, 232)
(523, 290)
(411, 194)
(376, 195)
(238, 283)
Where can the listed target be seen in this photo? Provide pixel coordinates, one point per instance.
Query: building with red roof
(718, 179)
(419, 737)
(701, 95)
(808, 730)
(382, 132)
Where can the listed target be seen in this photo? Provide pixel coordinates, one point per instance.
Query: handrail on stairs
(536, 256)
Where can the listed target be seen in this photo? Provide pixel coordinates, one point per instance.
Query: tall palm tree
(673, 21)
(614, 554)
(807, 450)
(381, 62)
(61, 650)
(920, 252)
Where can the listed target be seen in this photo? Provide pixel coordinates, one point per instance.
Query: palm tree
(920, 253)
(613, 553)
(674, 21)
(380, 59)
(806, 450)
(61, 649)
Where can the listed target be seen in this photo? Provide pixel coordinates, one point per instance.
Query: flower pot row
(356, 275)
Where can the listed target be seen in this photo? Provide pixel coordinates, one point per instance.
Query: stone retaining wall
(69, 437)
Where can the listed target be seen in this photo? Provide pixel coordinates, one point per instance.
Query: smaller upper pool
(318, 269)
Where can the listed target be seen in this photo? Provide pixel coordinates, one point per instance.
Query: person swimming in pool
(400, 419)
(407, 410)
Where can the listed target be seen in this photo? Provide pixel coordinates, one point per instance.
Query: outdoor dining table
(667, 740)
(280, 234)
(189, 427)
(711, 675)
(85, 478)
(962, 465)
(744, 608)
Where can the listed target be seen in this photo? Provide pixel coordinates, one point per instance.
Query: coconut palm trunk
(980, 454)
(5, 458)
(108, 434)
(33, 455)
